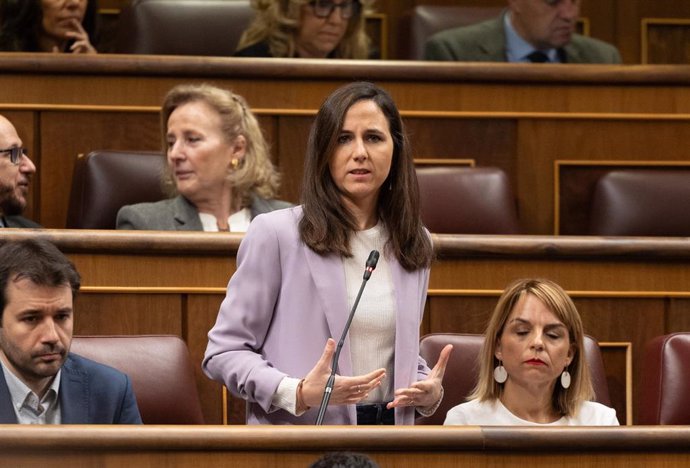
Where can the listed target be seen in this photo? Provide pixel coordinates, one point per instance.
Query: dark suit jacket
(19, 222)
(262, 50)
(259, 49)
(486, 42)
(90, 393)
(178, 214)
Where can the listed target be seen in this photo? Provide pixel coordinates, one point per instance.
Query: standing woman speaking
(299, 270)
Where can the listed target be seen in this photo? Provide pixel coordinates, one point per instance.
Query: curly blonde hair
(256, 174)
(278, 21)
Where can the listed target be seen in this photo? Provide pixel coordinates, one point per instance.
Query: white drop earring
(500, 373)
(565, 379)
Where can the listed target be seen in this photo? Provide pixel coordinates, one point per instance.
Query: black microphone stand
(371, 264)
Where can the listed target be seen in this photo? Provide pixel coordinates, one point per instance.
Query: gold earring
(235, 163)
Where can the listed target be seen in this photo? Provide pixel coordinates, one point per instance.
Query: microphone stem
(334, 364)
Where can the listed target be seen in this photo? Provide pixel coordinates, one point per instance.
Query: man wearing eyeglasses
(16, 170)
(536, 31)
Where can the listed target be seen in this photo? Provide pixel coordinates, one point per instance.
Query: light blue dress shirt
(517, 49)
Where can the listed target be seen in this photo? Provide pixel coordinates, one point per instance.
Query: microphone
(370, 267)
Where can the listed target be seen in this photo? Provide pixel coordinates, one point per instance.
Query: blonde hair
(256, 173)
(278, 22)
(565, 401)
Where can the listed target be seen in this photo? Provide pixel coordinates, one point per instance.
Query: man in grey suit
(41, 382)
(16, 170)
(528, 31)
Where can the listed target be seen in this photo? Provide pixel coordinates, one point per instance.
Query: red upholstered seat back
(160, 369)
(665, 393)
(182, 27)
(426, 20)
(642, 203)
(467, 200)
(104, 181)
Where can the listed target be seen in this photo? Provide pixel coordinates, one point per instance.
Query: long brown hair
(326, 224)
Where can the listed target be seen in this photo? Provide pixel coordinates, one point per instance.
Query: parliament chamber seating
(641, 203)
(426, 20)
(160, 369)
(104, 181)
(665, 392)
(182, 27)
(463, 369)
(467, 200)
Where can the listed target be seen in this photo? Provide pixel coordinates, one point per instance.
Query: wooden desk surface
(628, 290)
(272, 446)
(519, 117)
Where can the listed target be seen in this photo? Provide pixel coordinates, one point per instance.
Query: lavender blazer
(282, 304)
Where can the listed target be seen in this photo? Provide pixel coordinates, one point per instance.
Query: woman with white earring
(219, 171)
(532, 371)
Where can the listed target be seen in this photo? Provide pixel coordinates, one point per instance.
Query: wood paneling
(619, 23)
(665, 40)
(627, 290)
(400, 447)
(616, 357)
(291, 146)
(200, 316)
(64, 135)
(575, 184)
(128, 314)
(629, 17)
(516, 117)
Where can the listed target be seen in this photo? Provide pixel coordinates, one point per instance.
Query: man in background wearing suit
(41, 382)
(528, 31)
(15, 173)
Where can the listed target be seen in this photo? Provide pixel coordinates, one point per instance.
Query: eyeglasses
(15, 153)
(324, 8)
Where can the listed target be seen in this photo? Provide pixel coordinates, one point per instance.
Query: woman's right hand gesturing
(346, 390)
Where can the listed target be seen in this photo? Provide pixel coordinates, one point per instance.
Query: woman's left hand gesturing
(424, 392)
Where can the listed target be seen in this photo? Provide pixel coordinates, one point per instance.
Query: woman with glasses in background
(307, 29)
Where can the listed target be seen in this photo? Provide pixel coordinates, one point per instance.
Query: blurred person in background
(307, 29)
(16, 170)
(536, 31)
(48, 26)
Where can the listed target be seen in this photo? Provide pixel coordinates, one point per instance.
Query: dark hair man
(41, 382)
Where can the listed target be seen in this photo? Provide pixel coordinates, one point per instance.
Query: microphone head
(373, 259)
(371, 263)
